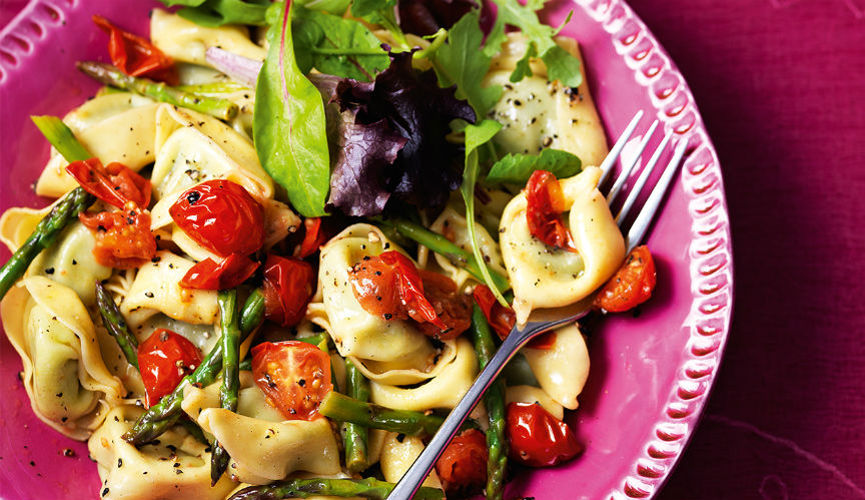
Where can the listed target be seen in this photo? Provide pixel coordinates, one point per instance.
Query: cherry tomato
(115, 184)
(295, 377)
(453, 308)
(538, 439)
(502, 319)
(462, 467)
(123, 237)
(289, 284)
(220, 216)
(313, 238)
(631, 285)
(209, 275)
(544, 206)
(389, 285)
(164, 359)
(135, 55)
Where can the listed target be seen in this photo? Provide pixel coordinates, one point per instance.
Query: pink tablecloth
(781, 84)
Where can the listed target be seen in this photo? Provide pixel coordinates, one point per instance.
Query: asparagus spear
(305, 488)
(164, 414)
(109, 75)
(116, 324)
(494, 400)
(230, 342)
(441, 245)
(66, 211)
(345, 409)
(356, 438)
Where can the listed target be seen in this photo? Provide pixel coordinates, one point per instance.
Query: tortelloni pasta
(398, 453)
(176, 467)
(442, 391)
(543, 277)
(454, 227)
(263, 447)
(186, 41)
(563, 369)
(192, 148)
(67, 381)
(128, 119)
(156, 289)
(355, 331)
(69, 261)
(536, 114)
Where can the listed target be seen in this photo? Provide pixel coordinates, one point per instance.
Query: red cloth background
(781, 85)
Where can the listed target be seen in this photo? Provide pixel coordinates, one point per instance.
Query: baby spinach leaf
(289, 126)
(477, 135)
(517, 168)
(461, 62)
(336, 46)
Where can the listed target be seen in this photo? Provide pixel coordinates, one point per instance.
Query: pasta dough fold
(544, 277)
(64, 375)
(176, 467)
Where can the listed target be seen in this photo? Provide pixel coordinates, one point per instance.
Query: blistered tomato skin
(632, 284)
(123, 237)
(545, 203)
(164, 359)
(294, 376)
(115, 183)
(462, 467)
(289, 284)
(135, 55)
(211, 275)
(538, 439)
(389, 285)
(221, 216)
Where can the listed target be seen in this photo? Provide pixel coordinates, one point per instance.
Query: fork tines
(644, 218)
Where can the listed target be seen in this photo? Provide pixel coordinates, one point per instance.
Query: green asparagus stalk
(230, 342)
(109, 75)
(494, 400)
(116, 325)
(61, 137)
(164, 414)
(305, 488)
(345, 409)
(355, 437)
(441, 245)
(66, 210)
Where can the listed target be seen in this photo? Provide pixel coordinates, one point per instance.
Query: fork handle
(420, 469)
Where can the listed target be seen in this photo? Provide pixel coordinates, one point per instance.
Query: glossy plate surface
(650, 375)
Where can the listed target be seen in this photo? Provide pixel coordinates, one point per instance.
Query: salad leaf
(517, 168)
(427, 167)
(336, 46)
(523, 68)
(337, 7)
(366, 152)
(461, 62)
(477, 135)
(212, 13)
(425, 17)
(561, 64)
(289, 124)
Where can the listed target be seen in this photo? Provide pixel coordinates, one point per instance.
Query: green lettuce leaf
(289, 126)
(336, 46)
(517, 168)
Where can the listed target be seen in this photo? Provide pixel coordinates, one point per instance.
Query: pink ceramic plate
(650, 375)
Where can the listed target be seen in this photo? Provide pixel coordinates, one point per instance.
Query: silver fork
(518, 337)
